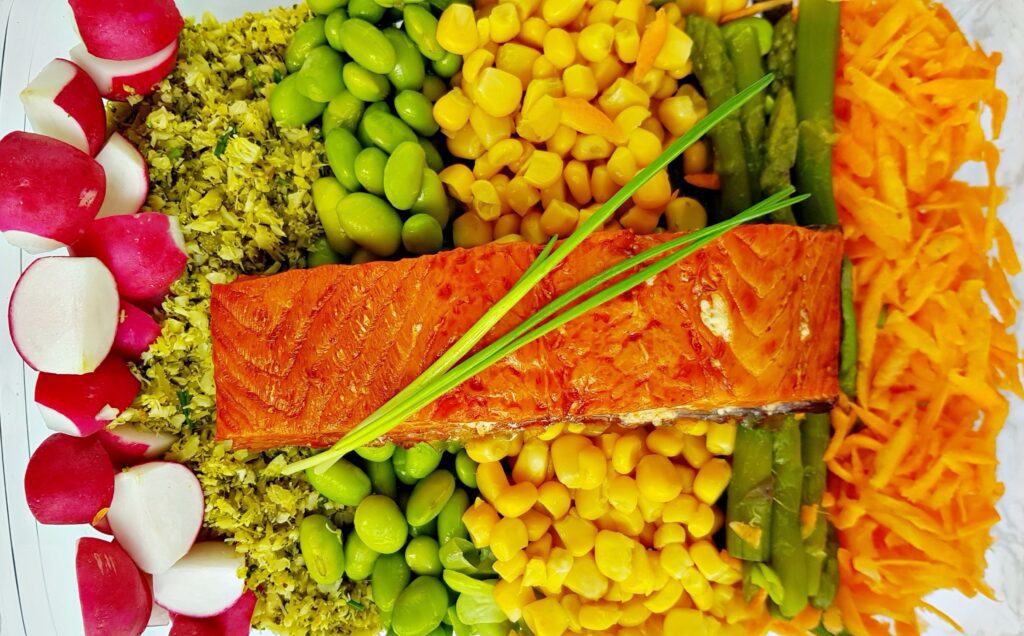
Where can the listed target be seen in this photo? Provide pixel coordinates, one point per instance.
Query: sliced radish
(156, 513)
(203, 583)
(126, 29)
(145, 252)
(81, 405)
(158, 617)
(50, 192)
(128, 444)
(100, 523)
(62, 102)
(68, 480)
(127, 177)
(136, 331)
(120, 79)
(234, 621)
(115, 598)
(63, 314)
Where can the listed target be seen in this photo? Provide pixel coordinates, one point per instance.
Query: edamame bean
(307, 37)
(323, 7)
(290, 108)
(359, 557)
(365, 84)
(449, 520)
(465, 468)
(362, 255)
(420, 607)
(343, 483)
(428, 529)
(479, 609)
(370, 169)
(434, 160)
(371, 222)
(421, 556)
(382, 477)
(429, 496)
(385, 130)
(421, 26)
(368, 10)
(361, 134)
(320, 253)
(320, 75)
(434, 87)
(448, 65)
(432, 199)
(458, 627)
(422, 234)
(332, 29)
(322, 549)
(409, 70)
(423, 459)
(763, 30)
(342, 147)
(343, 111)
(491, 629)
(417, 111)
(379, 453)
(327, 194)
(403, 174)
(365, 44)
(399, 461)
(380, 524)
(390, 576)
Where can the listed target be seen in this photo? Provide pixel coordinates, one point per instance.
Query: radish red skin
(136, 331)
(119, 80)
(50, 191)
(128, 446)
(115, 597)
(234, 621)
(81, 405)
(126, 29)
(68, 480)
(78, 105)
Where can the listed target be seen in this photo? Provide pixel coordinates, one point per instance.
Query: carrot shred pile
(913, 459)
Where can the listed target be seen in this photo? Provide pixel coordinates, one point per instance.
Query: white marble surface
(37, 588)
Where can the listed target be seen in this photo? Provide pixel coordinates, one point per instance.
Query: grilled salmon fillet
(750, 322)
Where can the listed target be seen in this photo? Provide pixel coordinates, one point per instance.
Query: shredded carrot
(651, 42)
(754, 9)
(913, 459)
(584, 117)
(708, 181)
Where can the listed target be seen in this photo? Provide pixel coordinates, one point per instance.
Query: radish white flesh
(235, 621)
(203, 583)
(120, 79)
(145, 252)
(127, 177)
(50, 192)
(128, 444)
(136, 331)
(63, 314)
(62, 102)
(81, 405)
(158, 617)
(156, 513)
(115, 598)
(126, 29)
(68, 480)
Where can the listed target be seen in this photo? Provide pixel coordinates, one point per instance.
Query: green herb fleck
(222, 143)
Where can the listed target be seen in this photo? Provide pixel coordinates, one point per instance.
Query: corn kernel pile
(610, 530)
(558, 104)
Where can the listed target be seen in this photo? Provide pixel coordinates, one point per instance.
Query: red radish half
(81, 405)
(128, 444)
(115, 598)
(235, 621)
(63, 314)
(50, 192)
(68, 480)
(127, 177)
(203, 583)
(156, 513)
(136, 331)
(126, 29)
(62, 102)
(145, 252)
(118, 80)
(100, 523)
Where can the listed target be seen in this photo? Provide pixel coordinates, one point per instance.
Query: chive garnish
(384, 418)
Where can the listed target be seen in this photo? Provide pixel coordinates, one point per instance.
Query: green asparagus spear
(744, 51)
(829, 573)
(782, 56)
(848, 345)
(787, 548)
(749, 505)
(780, 152)
(814, 436)
(717, 76)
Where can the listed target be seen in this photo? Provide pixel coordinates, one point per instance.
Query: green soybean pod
(429, 496)
(400, 461)
(403, 174)
(379, 453)
(359, 557)
(381, 525)
(417, 111)
(449, 520)
(342, 147)
(432, 200)
(364, 83)
(434, 160)
(368, 10)
(390, 576)
(434, 87)
(344, 111)
(370, 163)
(332, 29)
(320, 75)
(322, 549)
(291, 108)
(307, 37)
(371, 222)
(421, 26)
(421, 555)
(365, 44)
(382, 478)
(409, 70)
(448, 65)
(423, 459)
(420, 607)
(343, 483)
(324, 7)
(465, 468)
(386, 131)
(320, 253)
(422, 234)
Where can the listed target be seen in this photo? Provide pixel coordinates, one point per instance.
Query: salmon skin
(749, 323)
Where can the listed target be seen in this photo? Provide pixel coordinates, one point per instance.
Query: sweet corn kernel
(508, 536)
(480, 519)
(705, 557)
(696, 159)
(476, 62)
(616, 594)
(559, 13)
(644, 145)
(543, 68)
(530, 228)
(685, 214)
(628, 523)
(521, 195)
(576, 534)
(540, 548)
(646, 536)
(686, 621)
(513, 595)
(698, 588)
(498, 92)
(667, 88)
(652, 124)
(452, 110)
(490, 478)
(657, 479)
(466, 144)
(539, 121)
(513, 568)
(577, 179)
(621, 95)
(668, 533)
(559, 48)
(702, 523)
(518, 60)
(712, 479)
(561, 142)
(538, 87)
(595, 41)
(488, 128)
(559, 218)
(469, 230)
(486, 203)
(459, 180)
(505, 23)
(601, 184)
(623, 493)
(546, 617)
(680, 510)
(599, 616)
(686, 475)
(585, 579)
(591, 503)
(627, 453)
(505, 152)
(559, 563)
(531, 465)
(641, 579)
(692, 427)
(665, 440)
(543, 169)
(516, 500)
(591, 147)
(675, 560)
(500, 182)
(634, 613)
(535, 574)
(554, 192)
(606, 441)
(533, 31)
(571, 455)
(601, 11)
(492, 449)
(456, 29)
(627, 41)
(622, 165)
(612, 552)
(640, 220)
(665, 598)
(554, 497)
(580, 82)
(695, 450)
(721, 437)
(633, 10)
(656, 193)
(678, 114)
(572, 603)
(537, 524)
(607, 70)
